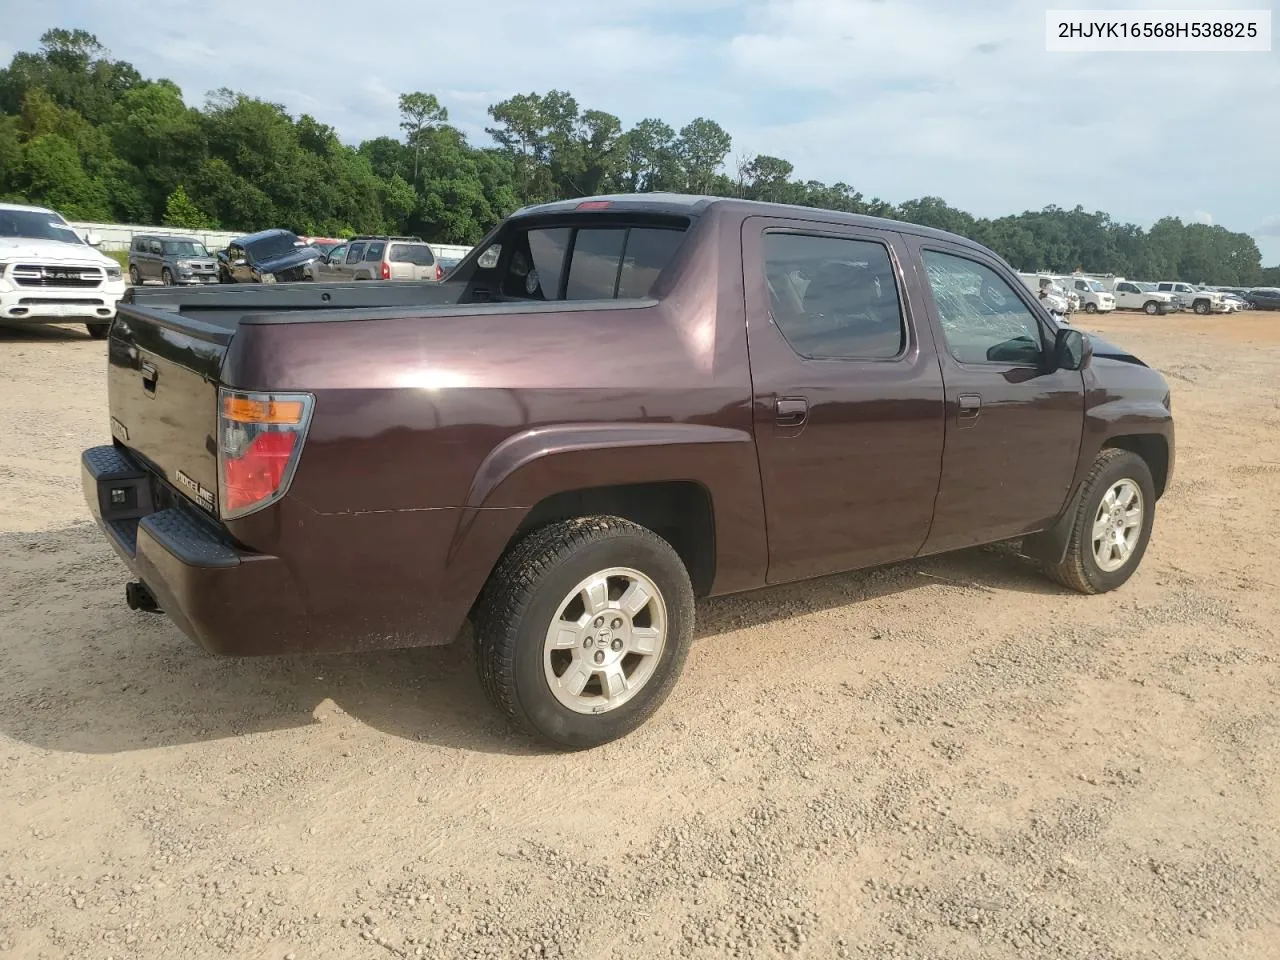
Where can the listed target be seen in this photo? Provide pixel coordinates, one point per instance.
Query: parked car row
(1101, 294)
(281, 256)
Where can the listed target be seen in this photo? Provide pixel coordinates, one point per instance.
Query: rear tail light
(439, 273)
(260, 437)
(386, 270)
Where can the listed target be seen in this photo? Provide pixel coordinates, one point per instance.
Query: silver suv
(379, 258)
(171, 260)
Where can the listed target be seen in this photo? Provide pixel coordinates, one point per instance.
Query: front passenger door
(1013, 425)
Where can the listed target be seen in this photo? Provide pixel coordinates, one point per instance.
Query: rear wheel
(583, 629)
(99, 330)
(134, 278)
(1112, 524)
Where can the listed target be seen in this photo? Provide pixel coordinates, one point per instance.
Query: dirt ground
(950, 758)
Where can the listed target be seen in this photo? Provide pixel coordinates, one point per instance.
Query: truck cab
(1130, 295)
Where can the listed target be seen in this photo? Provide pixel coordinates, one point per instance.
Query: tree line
(92, 138)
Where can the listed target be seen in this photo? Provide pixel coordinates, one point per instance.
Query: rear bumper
(231, 602)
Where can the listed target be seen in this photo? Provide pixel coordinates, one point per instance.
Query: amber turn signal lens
(249, 410)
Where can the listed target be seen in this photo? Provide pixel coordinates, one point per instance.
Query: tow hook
(139, 597)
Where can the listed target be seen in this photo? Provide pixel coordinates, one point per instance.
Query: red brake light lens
(386, 270)
(259, 471)
(260, 437)
(439, 273)
(594, 205)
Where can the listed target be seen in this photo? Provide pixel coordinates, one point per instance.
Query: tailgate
(162, 383)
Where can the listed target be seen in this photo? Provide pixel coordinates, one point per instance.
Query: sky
(898, 98)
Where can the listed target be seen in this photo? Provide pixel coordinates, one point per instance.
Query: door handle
(790, 411)
(149, 377)
(970, 406)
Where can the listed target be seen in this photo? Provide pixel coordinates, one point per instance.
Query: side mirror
(242, 262)
(93, 239)
(1071, 350)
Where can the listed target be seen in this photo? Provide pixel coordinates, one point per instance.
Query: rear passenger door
(847, 396)
(371, 267)
(1013, 424)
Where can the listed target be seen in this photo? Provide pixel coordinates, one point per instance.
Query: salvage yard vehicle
(611, 406)
(1192, 298)
(170, 260)
(1093, 296)
(270, 256)
(379, 258)
(1264, 298)
(1129, 295)
(50, 274)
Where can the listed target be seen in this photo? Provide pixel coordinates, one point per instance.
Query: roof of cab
(680, 204)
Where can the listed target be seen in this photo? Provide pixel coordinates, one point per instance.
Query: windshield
(277, 245)
(36, 225)
(184, 248)
(1094, 285)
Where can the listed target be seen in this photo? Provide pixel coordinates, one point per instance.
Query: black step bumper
(230, 601)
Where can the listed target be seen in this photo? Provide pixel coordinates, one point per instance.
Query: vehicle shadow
(80, 672)
(42, 332)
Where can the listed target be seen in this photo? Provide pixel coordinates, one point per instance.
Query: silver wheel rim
(1117, 526)
(605, 640)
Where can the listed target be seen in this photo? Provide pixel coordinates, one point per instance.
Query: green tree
(702, 146)
(419, 113)
(181, 211)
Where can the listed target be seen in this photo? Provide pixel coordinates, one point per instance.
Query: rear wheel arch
(679, 511)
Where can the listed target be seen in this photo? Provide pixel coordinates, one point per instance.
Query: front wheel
(1090, 308)
(583, 629)
(1201, 307)
(99, 330)
(1151, 308)
(166, 277)
(1112, 524)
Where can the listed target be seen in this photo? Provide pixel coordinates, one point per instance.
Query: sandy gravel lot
(951, 758)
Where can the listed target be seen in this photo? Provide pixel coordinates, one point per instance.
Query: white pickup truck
(49, 274)
(1131, 295)
(1193, 298)
(1093, 295)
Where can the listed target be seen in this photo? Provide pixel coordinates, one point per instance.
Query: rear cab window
(597, 259)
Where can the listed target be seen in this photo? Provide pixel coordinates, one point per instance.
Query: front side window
(337, 253)
(983, 320)
(834, 298)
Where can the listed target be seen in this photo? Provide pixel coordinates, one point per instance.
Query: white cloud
(1201, 216)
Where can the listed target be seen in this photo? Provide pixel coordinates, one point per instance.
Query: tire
(99, 329)
(166, 277)
(1090, 308)
(1201, 307)
(133, 277)
(224, 276)
(1151, 308)
(536, 584)
(1080, 569)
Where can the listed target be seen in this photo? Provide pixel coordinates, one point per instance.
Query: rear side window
(834, 298)
(374, 253)
(355, 252)
(648, 252)
(419, 254)
(156, 248)
(140, 246)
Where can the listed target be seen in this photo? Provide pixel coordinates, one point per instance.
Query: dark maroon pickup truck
(611, 407)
